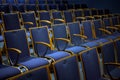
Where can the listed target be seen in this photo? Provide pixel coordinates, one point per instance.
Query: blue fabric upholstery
(59, 31)
(17, 39)
(68, 16)
(58, 55)
(42, 7)
(4, 8)
(29, 17)
(67, 69)
(32, 62)
(87, 27)
(53, 7)
(18, 7)
(11, 24)
(36, 75)
(45, 15)
(99, 34)
(91, 65)
(31, 7)
(32, 2)
(21, 1)
(108, 53)
(74, 28)
(42, 35)
(8, 71)
(10, 1)
(57, 15)
(41, 1)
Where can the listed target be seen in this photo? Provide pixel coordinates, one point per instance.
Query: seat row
(33, 1)
(63, 58)
(36, 7)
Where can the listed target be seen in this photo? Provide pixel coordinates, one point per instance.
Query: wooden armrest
(49, 22)
(117, 25)
(111, 63)
(82, 36)
(89, 17)
(60, 20)
(67, 40)
(80, 18)
(43, 43)
(104, 30)
(30, 23)
(110, 27)
(15, 50)
(97, 16)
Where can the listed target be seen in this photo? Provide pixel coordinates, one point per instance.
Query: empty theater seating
(58, 40)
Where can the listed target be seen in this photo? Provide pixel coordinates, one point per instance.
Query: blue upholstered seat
(8, 71)
(57, 17)
(68, 16)
(44, 18)
(29, 17)
(17, 40)
(91, 66)
(77, 38)
(43, 45)
(111, 66)
(61, 40)
(103, 34)
(67, 69)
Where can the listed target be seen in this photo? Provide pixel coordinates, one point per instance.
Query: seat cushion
(33, 62)
(115, 73)
(7, 71)
(76, 49)
(58, 55)
(90, 44)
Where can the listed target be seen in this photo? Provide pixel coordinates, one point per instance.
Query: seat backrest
(11, 24)
(4, 8)
(66, 69)
(78, 13)
(94, 12)
(32, 1)
(42, 2)
(53, 6)
(31, 7)
(42, 7)
(29, 17)
(10, 1)
(91, 66)
(44, 15)
(108, 55)
(59, 31)
(21, 1)
(88, 29)
(68, 16)
(40, 35)
(86, 12)
(16, 39)
(115, 20)
(57, 15)
(98, 24)
(62, 7)
(18, 7)
(74, 28)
